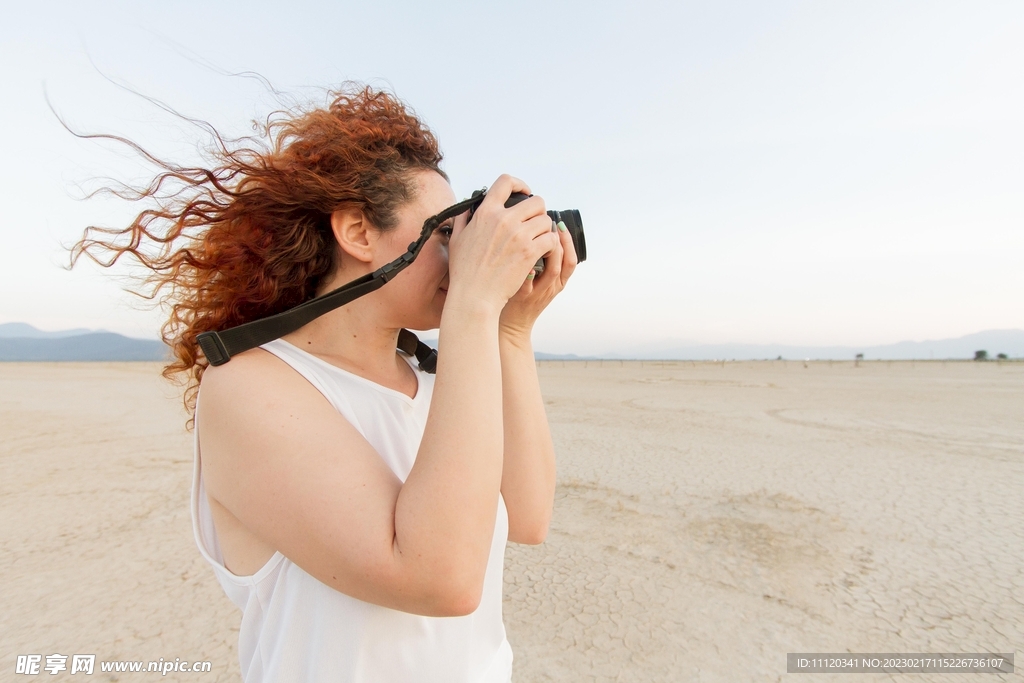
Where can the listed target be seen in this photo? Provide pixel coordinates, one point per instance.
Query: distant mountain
(1010, 342)
(27, 331)
(94, 346)
(540, 355)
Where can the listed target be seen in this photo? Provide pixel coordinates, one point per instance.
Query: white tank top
(297, 629)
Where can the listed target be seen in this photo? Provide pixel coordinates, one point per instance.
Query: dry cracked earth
(709, 519)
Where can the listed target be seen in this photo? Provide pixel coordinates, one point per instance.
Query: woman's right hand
(491, 256)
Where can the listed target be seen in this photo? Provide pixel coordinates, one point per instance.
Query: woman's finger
(569, 258)
(529, 208)
(503, 188)
(538, 226)
(553, 259)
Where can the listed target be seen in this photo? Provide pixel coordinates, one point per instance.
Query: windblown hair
(251, 236)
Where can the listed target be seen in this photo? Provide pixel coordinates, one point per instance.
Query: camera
(571, 217)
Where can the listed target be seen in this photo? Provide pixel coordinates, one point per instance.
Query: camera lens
(574, 224)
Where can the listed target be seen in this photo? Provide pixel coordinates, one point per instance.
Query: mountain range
(1010, 342)
(22, 342)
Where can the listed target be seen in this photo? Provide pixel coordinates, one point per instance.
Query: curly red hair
(251, 236)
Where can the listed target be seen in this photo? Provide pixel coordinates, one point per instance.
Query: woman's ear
(353, 234)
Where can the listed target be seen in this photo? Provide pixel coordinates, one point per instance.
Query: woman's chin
(429, 318)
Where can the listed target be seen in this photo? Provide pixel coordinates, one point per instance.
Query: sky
(750, 172)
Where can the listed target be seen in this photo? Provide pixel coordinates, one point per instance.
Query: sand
(709, 519)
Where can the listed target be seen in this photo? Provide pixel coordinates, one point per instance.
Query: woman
(354, 507)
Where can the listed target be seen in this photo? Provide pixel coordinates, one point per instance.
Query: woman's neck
(353, 338)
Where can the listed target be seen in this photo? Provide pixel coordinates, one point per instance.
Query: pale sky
(788, 172)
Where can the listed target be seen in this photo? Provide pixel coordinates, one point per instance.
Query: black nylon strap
(219, 347)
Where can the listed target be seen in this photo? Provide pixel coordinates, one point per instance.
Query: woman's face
(416, 296)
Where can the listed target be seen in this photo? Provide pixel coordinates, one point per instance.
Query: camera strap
(219, 347)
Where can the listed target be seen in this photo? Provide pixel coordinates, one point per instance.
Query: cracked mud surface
(708, 520)
(711, 519)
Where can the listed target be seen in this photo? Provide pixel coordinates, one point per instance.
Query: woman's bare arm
(528, 478)
(528, 475)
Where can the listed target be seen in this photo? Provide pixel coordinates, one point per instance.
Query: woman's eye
(445, 230)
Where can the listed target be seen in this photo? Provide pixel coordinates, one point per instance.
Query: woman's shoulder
(254, 376)
(240, 368)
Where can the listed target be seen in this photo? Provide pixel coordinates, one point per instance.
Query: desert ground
(709, 519)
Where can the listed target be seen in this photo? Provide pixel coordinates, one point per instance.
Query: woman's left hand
(522, 310)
